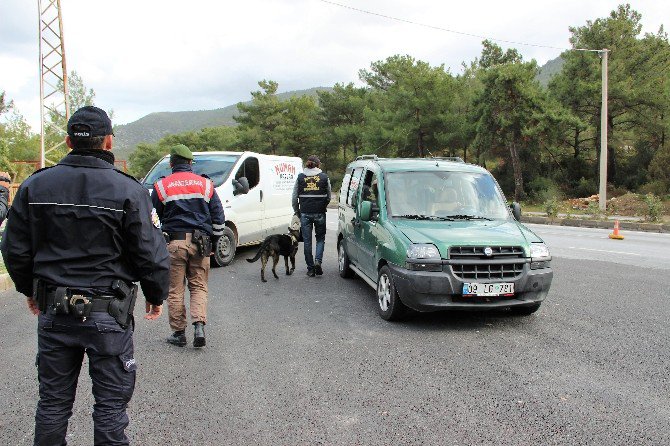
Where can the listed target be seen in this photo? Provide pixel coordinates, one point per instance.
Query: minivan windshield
(216, 167)
(442, 195)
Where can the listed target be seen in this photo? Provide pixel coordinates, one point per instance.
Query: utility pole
(602, 200)
(54, 98)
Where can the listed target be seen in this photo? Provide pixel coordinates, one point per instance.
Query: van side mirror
(365, 210)
(516, 211)
(240, 186)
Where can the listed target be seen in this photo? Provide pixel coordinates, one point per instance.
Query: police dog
(278, 245)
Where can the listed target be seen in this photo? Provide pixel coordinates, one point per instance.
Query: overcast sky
(146, 56)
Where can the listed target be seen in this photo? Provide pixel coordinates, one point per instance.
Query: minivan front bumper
(433, 291)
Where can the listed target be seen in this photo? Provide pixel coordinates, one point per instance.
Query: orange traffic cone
(616, 235)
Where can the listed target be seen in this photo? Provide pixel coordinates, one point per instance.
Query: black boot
(199, 335)
(317, 269)
(178, 338)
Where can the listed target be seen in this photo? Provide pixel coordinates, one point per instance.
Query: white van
(255, 191)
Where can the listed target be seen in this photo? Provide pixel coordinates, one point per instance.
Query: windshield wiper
(468, 217)
(424, 217)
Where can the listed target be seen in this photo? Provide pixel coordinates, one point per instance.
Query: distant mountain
(548, 70)
(152, 127)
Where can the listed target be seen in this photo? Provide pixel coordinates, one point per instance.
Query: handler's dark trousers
(319, 223)
(62, 341)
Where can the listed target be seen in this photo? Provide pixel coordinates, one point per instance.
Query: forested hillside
(154, 126)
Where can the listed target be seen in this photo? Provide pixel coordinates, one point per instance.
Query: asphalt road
(307, 361)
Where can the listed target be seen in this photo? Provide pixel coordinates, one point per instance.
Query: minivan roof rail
(366, 157)
(455, 159)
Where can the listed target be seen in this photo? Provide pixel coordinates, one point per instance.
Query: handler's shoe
(310, 272)
(199, 335)
(178, 338)
(317, 268)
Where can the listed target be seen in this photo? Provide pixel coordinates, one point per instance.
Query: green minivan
(436, 234)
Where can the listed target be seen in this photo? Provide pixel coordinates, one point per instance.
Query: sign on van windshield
(283, 176)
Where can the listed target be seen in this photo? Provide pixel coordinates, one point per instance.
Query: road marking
(605, 250)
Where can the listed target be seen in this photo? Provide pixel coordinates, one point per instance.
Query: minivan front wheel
(343, 261)
(389, 305)
(224, 251)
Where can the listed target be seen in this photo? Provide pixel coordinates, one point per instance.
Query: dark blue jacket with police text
(186, 201)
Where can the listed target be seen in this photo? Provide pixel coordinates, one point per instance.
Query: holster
(121, 307)
(204, 243)
(40, 294)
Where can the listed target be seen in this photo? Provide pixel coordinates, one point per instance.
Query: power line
(439, 28)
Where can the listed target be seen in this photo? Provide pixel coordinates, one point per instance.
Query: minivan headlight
(423, 251)
(539, 256)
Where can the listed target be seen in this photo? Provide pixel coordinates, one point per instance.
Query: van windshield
(444, 195)
(216, 167)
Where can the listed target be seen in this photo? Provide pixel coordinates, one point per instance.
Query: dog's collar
(293, 237)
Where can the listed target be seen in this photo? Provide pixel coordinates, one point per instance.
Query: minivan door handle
(261, 195)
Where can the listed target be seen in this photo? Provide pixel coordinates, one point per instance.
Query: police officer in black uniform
(78, 235)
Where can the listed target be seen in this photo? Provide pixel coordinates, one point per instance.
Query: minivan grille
(470, 262)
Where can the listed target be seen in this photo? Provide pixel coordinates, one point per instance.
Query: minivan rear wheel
(343, 261)
(389, 305)
(226, 245)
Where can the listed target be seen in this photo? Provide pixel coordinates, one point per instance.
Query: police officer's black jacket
(82, 224)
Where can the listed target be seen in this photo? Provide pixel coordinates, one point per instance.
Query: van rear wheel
(224, 251)
(390, 307)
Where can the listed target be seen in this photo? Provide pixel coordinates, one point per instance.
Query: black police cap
(89, 122)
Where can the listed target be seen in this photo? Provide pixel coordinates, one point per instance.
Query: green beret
(181, 150)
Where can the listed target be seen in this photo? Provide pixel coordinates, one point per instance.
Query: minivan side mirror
(516, 211)
(365, 210)
(240, 186)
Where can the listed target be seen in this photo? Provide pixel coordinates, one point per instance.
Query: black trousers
(62, 342)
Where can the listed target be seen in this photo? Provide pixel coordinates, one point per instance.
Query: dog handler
(191, 212)
(311, 195)
(78, 234)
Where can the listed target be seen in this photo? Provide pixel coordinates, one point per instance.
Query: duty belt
(176, 235)
(64, 301)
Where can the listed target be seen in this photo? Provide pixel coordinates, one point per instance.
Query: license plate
(487, 289)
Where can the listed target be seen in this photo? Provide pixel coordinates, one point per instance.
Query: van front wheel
(389, 305)
(224, 251)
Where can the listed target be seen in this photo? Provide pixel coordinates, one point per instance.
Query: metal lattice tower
(54, 98)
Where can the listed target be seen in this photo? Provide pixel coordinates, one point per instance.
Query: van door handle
(355, 221)
(261, 195)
